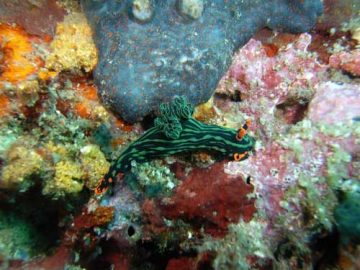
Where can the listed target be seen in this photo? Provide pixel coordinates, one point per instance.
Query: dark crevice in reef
(143, 255)
(324, 250)
(291, 113)
(148, 121)
(39, 215)
(235, 97)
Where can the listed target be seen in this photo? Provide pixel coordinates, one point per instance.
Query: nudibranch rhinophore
(151, 50)
(175, 131)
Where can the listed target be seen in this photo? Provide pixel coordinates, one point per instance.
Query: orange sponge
(17, 62)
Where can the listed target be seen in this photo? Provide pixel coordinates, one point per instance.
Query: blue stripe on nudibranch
(187, 135)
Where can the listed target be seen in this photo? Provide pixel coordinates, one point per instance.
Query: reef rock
(150, 51)
(334, 103)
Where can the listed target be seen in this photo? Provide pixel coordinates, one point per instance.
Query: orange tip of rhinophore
(238, 157)
(241, 133)
(99, 191)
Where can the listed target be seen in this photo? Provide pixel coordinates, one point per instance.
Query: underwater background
(179, 134)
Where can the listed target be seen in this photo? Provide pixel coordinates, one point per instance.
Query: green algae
(316, 200)
(341, 129)
(316, 194)
(337, 166)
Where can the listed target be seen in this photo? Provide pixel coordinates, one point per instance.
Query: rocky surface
(150, 51)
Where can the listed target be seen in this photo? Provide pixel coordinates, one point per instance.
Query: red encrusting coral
(81, 234)
(154, 220)
(58, 260)
(210, 198)
(182, 263)
(101, 216)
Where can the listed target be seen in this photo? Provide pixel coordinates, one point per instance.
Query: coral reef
(5, 105)
(191, 195)
(338, 13)
(178, 47)
(283, 82)
(72, 47)
(48, 159)
(125, 228)
(83, 233)
(304, 159)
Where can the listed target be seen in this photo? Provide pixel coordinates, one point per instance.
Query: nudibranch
(175, 131)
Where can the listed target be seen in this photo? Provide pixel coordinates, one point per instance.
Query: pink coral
(347, 61)
(335, 102)
(269, 173)
(257, 75)
(274, 88)
(292, 81)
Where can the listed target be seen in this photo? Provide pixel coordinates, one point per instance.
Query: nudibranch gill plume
(175, 131)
